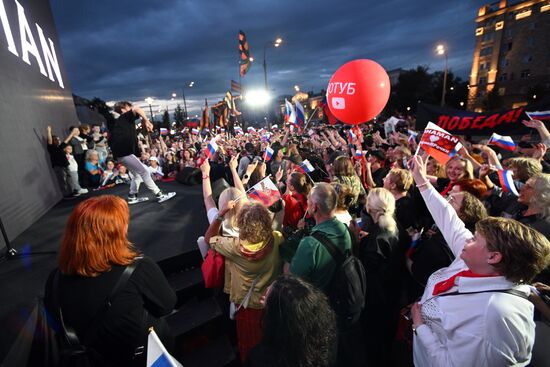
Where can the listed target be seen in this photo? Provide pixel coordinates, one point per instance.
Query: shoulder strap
(511, 291)
(70, 333)
(336, 254)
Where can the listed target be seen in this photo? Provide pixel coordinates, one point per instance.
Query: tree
(492, 101)
(165, 120)
(179, 116)
(101, 107)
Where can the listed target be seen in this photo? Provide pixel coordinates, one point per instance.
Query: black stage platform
(160, 231)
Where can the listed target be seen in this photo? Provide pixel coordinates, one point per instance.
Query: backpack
(72, 350)
(348, 286)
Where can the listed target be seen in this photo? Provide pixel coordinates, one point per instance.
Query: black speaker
(217, 187)
(189, 176)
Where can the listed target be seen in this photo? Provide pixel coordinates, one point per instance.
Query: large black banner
(34, 93)
(460, 122)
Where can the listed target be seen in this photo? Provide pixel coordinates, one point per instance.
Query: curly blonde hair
(254, 223)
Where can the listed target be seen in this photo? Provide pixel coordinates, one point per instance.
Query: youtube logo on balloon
(338, 103)
(358, 91)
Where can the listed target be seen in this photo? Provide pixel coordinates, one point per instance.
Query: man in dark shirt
(59, 159)
(124, 145)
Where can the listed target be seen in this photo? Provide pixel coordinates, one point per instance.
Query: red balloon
(358, 91)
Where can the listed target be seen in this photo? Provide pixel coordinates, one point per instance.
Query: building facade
(512, 54)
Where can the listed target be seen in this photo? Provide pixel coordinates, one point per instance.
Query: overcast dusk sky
(129, 50)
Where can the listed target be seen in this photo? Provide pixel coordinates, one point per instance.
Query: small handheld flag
(250, 129)
(268, 154)
(507, 181)
(195, 131)
(238, 130)
(163, 131)
(157, 355)
(438, 143)
(265, 191)
(504, 142)
(306, 166)
(539, 115)
(351, 136)
(211, 149)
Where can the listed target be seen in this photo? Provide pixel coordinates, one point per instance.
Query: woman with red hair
(94, 254)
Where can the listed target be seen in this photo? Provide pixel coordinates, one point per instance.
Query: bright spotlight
(257, 98)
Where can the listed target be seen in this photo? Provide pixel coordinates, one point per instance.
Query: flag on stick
(507, 181)
(306, 166)
(163, 131)
(244, 54)
(265, 191)
(504, 142)
(211, 149)
(268, 154)
(290, 114)
(300, 114)
(157, 355)
(539, 115)
(438, 143)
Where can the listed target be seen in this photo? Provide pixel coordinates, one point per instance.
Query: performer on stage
(124, 145)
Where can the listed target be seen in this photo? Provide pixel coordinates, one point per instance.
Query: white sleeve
(211, 214)
(243, 165)
(451, 226)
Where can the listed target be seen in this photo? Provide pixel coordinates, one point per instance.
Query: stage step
(216, 353)
(193, 315)
(187, 283)
(184, 260)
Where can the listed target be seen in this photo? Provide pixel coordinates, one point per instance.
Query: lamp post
(191, 84)
(277, 43)
(441, 51)
(149, 101)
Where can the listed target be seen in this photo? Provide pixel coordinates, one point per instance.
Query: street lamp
(173, 96)
(149, 101)
(440, 49)
(277, 43)
(191, 84)
(296, 88)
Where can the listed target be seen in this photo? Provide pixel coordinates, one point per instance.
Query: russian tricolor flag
(360, 153)
(250, 129)
(195, 131)
(157, 355)
(307, 167)
(351, 136)
(507, 181)
(300, 114)
(163, 131)
(268, 154)
(538, 115)
(211, 149)
(238, 130)
(290, 114)
(504, 142)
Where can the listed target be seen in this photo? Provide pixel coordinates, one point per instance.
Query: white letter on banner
(50, 57)
(28, 46)
(7, 29)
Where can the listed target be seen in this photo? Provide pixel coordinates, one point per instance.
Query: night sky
(129, 50)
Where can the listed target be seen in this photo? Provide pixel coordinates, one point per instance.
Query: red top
(295, 208)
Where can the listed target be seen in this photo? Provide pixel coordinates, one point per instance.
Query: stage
(160, 231)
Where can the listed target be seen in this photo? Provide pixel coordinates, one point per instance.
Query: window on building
(479, 31)
(501, 91)
(503, 77)
(486, 51)
(527, 59)
(487, 37)
(503, 62)
(509, 33)
(509, 46)
(482, 80)
(523, 14)
(499, 25)
(512, 76)
(526, 73)
(531, 41)
(533, 25)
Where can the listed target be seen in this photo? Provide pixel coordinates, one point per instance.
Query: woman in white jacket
(475, 312)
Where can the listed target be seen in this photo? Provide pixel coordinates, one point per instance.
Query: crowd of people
(453, 261)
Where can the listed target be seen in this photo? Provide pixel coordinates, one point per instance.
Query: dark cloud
(133, 49)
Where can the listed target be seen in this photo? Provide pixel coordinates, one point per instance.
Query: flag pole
(310, 117)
